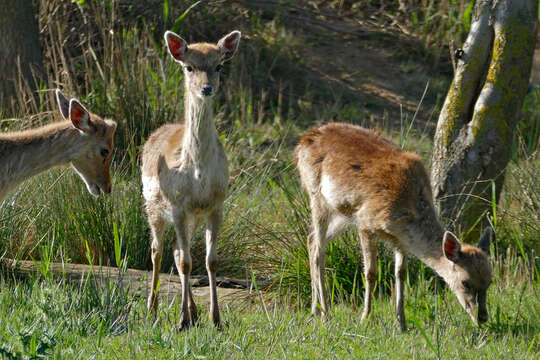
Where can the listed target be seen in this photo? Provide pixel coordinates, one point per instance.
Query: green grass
(56, 319)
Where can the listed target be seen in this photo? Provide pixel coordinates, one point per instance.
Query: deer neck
(32, 152)
(426, 244)
(200, 134)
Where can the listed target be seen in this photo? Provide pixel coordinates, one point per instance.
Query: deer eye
(189, 68)
(104, 152)
(219, 67)
(466, 285)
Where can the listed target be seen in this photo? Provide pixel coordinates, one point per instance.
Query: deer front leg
(156, 228)
(212, 228)
(182, 257)
(317, 259)
(369, 250)
(400, 272)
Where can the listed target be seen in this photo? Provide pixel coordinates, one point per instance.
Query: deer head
(202, 62)
(92, 161)
(470, 273)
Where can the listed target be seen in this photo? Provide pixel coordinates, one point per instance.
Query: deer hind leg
(184, 227)
(369, 251)
(156, 228)
(400, 272)
(317, 242)
(212, 228)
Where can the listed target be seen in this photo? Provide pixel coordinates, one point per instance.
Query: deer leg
(314, 287)
(212, 228)
(369, 251)
(192, 307)
(156, 228)
(317, 259)
(400, 272)
(183, 226)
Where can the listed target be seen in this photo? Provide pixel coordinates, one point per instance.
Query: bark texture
(20, 51)
(476, 126)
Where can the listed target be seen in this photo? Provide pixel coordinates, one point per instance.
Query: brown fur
(354, 176)
(350, 152)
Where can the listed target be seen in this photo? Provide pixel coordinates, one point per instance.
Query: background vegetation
(110, 55)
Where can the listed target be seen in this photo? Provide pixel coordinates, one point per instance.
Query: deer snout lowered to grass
(84, 140)
(355, 177)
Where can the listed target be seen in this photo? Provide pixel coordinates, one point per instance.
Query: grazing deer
(353, 176)
(85, 141)
(184, 170)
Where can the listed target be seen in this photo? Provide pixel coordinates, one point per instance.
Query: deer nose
(482, 317)
(107, 188)
(207, 90)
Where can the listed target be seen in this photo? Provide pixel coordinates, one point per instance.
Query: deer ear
(63, 104)
(79, 116)
(229, 44)
(176, 45)
(451, 246)
(485, 240)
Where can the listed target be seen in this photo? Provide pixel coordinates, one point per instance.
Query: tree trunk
(476, 125)
(20, 51)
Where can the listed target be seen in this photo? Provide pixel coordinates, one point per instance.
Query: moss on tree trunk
(476, 126)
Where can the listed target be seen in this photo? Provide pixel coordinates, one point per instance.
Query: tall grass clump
(52, 314)
(519, 207)
(55, 207)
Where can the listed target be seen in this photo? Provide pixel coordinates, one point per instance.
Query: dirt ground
(381, 70)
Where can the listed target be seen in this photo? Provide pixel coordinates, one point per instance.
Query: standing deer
(353, 176)
(85, 141)
(184, 170)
